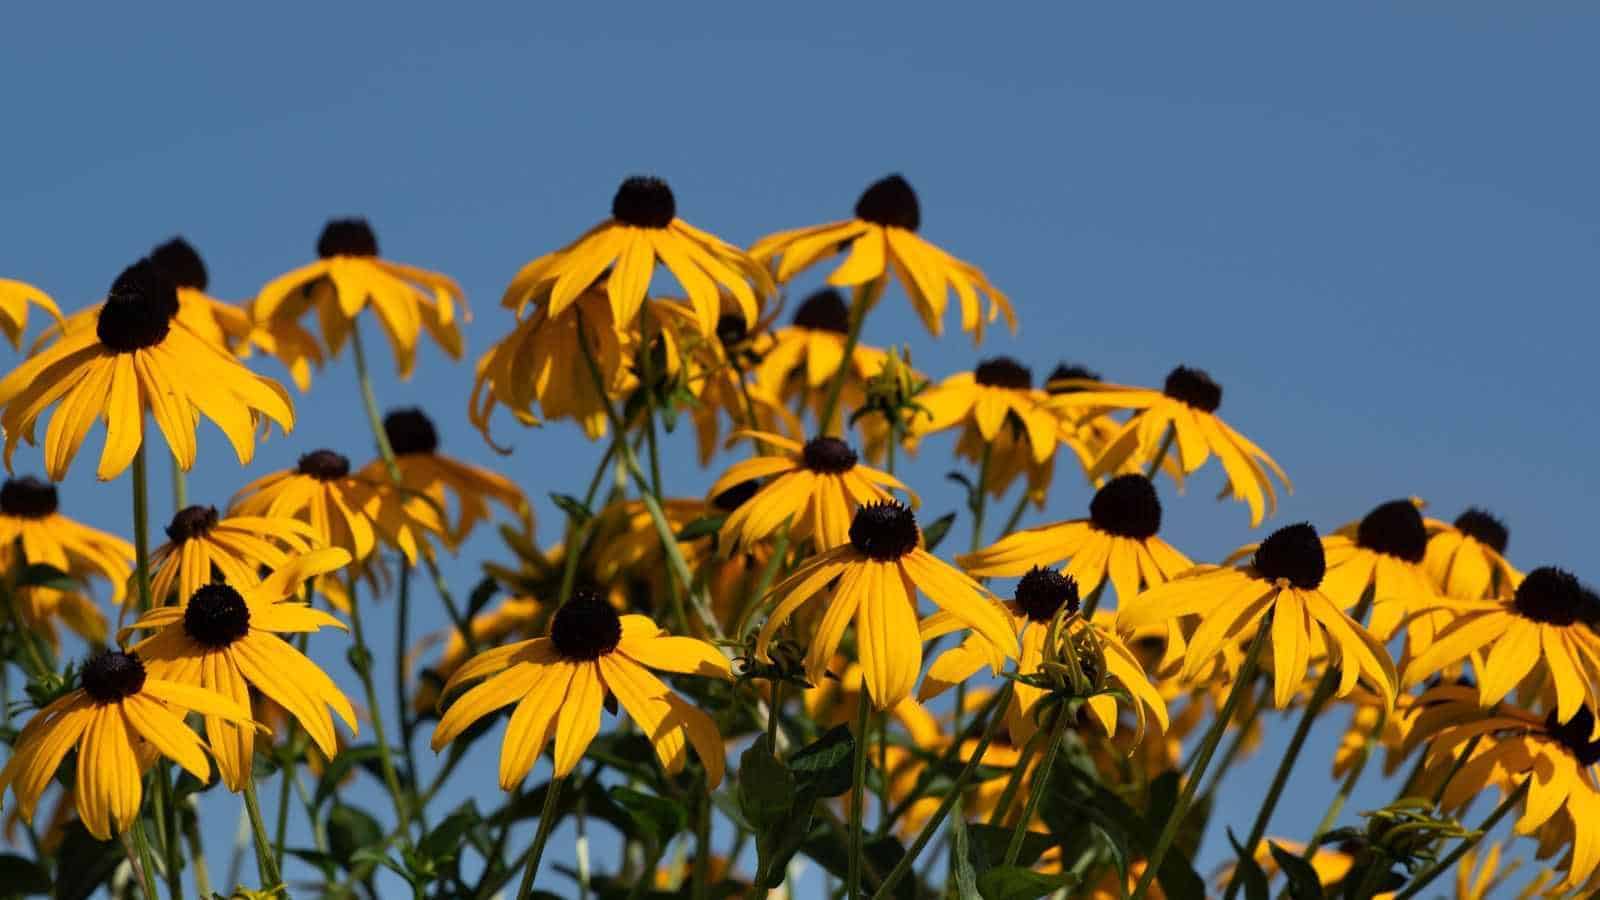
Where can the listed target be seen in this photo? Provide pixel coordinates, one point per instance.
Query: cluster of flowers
(784, 600)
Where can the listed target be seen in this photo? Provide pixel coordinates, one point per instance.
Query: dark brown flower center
(1394, 528)
(884, 531)
(410, 431)
(824, 310)
(1043, 591)
(1193, 387)
(181, 263)
(644, 201)
(347, 237)
(828, 455)
(1553, 596)
(890, 202)
(1293, 553)
(28, 498)
(1003, 372)
(732, 330)
(139, 309)
(112, 675)
(1574, 735)
(735, 497)
(216, 616)
(586, 627)
(324, 465)
(1127, 507)
(1484, 528)
(1064, 372)
(191, 522)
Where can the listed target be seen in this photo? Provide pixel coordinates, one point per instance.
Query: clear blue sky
(1376, 228)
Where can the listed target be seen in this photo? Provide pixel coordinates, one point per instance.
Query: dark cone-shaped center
(112, 675)
(216, 616)
(1574, 735)
(347, 237)
(139, 309)
(1043, 591)
(828, 455)
(586, 628)
(644, 201)
(734, 497)
(1293, 553)
(1003, 372)
(1484, 528)
(1553, 596)
(884, 531)
(891, 202)
(410, 431)
(732, 330)
(1064, 372)
(191, 522)
(1127, 507)
(825, 310)
(181, 263)
(324, 465)
(1394, 528)
(28, 498)
(1193, 387)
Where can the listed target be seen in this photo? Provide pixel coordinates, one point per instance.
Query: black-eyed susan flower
(1278, 589)
(1467, 558)
(1540, 628)
(559, 684)
(880, 569)
(350, 276)
(816, 487)
(15, 298)
(138, 357)
(997, 393)
(119, 711)
(804, 356)
(512, 617)
(1087, 433)
(1182, 415)
(202, 546)
(441, 483)
(644, 229)
(225, 639)
(883, 238)
(33, 531)
(1382, 554)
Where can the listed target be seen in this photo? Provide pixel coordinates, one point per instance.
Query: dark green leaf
(937, 530)
(576, 512)
(444, 841)
(371, 856)
(46, 576)
(1248, 874)
(83, 863)
(987, 845)
(1074, 799)
(20, 877)
(766, 788)
(339, 769)
(966, 878)
(1017, 883)
(823, 767)
(701, 527)
(351, 829)
(657, 819)
(1163, 799)
(1303, 881)
(482, 593)
(325, 862)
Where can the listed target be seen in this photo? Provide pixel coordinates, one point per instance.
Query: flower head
(1467, 558)
(202, 545)
(437, 482)
(15, 298)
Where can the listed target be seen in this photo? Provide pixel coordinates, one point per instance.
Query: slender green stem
(1449, 861)
(370, 401)
(147, 861)
(1041, 777)
(1348, 786)
(1008, 794)
(141, 528)
(267, 867)
(547, 817)
(1161, 453)
(700, 874)
(769, 572)
(180, 485)
(980, 503)
(173, 859)
(197, 853)
(1455, 766)
(280, 829)
(883, 774)
(391, 778)
(929, 773)
(402, 630)
(1208, 745)
(1016, 512)
(858, 785)
(1092, 602)
(772, 720)
(865, 296)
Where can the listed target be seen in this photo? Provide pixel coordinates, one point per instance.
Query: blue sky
(1375, 226)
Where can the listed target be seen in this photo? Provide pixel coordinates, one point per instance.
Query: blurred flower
(34, 533)
(15, 297)
(513, 617)
(1467, 559)
(433, 479)
(203, 547)
(1383, 554)
(803, 357)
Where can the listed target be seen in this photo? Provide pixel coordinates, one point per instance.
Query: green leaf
(705, 526)
(987, 845)
(1303, 881)
(482, 593)
(576, 512)
(351, 829)
(444, 841)
(766, 787)
(371, 856)
(83, 864)
(1075, 799)
(47, 576)
(657, 819)
(966, 878)
(937, 530)
(823, 767)
(1017, 883)
(21, 877)
(1248, 874)
(339, 769)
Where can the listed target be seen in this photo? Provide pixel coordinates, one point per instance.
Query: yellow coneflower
(226, 641)
(1332, 863)
(836, 701)
(1467, 559)
(34, 532)
(644, 228)
(111, 719)
(15, 298)
(201, 545)
(512, 616)
(816, 487)
(1182, 415)
(1475, 882)
(998, 392)
(1087, 434)
(430, 474)
(804, 356)
(1282, 581)
(880, 570)
(559, 685)
(883, 238)
(138, 357)
(348, 278)
(1544, 627)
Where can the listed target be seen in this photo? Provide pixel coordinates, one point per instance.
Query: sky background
(1376, 227)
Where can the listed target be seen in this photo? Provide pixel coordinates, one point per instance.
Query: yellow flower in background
(1181, 415)
(226, 641)
(1475, 882)
(836, 700)
(138, 357)
(880, 570)
(512, 616)
(804, 356)
(1467, 559)
(34, 532)
(882, 238)
(1282, 581)
(996, 394)
(15, 298)
(201, 545)
(348, 278)
(118, 715)
(644, 229)
(444, 481)
(816, 487)
(559, 685)
(1086, 434)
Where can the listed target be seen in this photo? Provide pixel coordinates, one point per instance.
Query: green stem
(267, 868)
(769, 572)
(370, 401)
(865, 295)
(772, 720)
(1016, 512)
(1448, 862)
(930, 773)
(980, 503)
(402, 629)
(1161, 453)
(546, 824)
(169, 834)
(280, 828)
(1008, 795)
(1092, 602)
(883, 774)
(180, 485)
(147, 862)
(1455, 766)
(141, 529)
(1348, 786)
(364, 671)
(700, 874)
(197, 855)
(1058, 728)
(1208, 746)
(858, 798)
